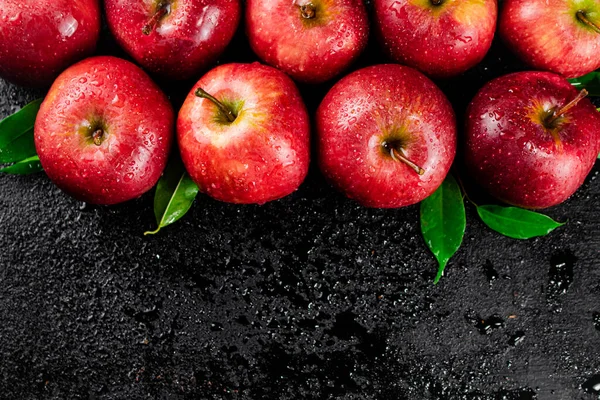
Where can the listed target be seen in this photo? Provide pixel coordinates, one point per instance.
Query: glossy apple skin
(138, 120)
(441, 41)
(184, 43)
(313, 51)
(40, 38)
(357, 116)
(264, 154)
(548, 36)
(516, 158)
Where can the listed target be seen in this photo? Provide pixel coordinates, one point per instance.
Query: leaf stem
(462, 188)
(152, 232)
(439, 274)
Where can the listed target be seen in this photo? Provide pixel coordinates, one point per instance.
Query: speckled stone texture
(309, 297)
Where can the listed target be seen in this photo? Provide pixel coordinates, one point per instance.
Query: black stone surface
(309, 297)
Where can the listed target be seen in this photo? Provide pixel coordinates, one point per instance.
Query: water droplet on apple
(116, 101)
(68, 26)
(15, 18)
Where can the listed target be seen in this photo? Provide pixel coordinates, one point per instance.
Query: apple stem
(308, 11)
(97, 137)
(397, 156)
(583, 18)
(436, 2)
(564, 109)
(163, 9)
(225, 110)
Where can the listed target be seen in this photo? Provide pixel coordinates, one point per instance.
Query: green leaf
(443, 222)
(16, 134)
(590, 82)
(28, 166)
(175, 193)
(515, 222)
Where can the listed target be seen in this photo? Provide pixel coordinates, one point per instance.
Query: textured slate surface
(309, 297)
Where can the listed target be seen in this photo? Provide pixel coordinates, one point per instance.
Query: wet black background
(309, 297)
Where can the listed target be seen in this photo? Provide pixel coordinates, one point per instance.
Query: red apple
(40, 38)
(243, 134)
(387, 136)
(175, 39)
(104, 131)
(310, 40)
(531, 139)
(441, 38)
(554, 35)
